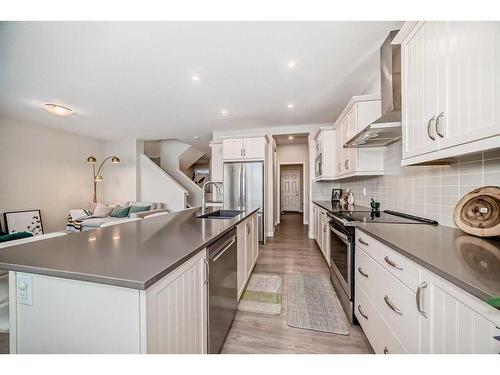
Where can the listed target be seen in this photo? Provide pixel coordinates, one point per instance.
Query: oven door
(340, 257)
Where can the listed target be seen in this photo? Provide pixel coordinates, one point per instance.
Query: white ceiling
(296, 139)
(133, 79)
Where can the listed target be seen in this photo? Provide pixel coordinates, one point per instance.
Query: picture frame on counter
(336, 195)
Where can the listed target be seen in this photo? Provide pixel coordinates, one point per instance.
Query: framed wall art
(24, 221)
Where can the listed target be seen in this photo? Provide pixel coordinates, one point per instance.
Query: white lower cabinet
(322, 231)
(399, 314)
(248, 250)
(456, 322)
(72, 316)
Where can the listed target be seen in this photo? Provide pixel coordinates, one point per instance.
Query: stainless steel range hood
(386, 129)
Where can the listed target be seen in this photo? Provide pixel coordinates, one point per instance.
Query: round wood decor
(478, 212)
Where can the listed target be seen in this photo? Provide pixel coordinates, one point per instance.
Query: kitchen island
(138, 287)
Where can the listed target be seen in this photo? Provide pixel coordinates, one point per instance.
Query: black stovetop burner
(387, 216)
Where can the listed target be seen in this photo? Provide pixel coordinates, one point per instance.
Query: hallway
(290, 251)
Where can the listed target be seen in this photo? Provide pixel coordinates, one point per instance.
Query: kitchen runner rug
(313, 304)
(262, 294)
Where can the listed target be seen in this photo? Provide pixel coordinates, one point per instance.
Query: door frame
(302, 190)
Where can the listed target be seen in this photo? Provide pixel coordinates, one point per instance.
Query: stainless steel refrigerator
(244, 188)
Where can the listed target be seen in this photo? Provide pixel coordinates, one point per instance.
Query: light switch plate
(25, 289)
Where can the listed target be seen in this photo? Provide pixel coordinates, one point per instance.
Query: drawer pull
(362, 313)
(360, 270)
(392, 306)
(419, 298)
(391, 263)
(386, 351)
(363, 242)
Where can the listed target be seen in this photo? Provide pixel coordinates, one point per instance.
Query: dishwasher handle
(221, 250)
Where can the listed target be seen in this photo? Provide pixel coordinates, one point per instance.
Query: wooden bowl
(478, 212)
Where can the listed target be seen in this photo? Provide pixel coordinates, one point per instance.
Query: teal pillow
(135, 209)
(120, 212)
(15, 236)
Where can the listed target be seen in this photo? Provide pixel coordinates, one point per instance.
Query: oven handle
(342, 236)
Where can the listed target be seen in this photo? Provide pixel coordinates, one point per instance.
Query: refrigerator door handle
(244, 185)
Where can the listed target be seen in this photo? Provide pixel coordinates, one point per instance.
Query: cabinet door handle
(386, 351)
(362, 313)
(392, 264)
(429, 128)
(437, 125)
(241, 152)
(207, 271)
(363, 242)
(360, 270)
(346, 164)
(419, 299)
(392, 306)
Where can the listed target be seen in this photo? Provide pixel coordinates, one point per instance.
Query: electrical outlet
(25, 289)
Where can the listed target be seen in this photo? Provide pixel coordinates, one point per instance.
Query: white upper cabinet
(350, 162)
(244, 148)
(254, 148)
(450, 90)
(325, 150)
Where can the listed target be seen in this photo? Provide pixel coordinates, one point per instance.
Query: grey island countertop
(132, 255)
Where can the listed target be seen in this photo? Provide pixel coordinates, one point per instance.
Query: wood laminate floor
(289, 251)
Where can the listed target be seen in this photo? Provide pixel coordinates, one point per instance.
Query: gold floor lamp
(97, 177)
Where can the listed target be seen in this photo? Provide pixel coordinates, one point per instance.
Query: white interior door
(290, 190)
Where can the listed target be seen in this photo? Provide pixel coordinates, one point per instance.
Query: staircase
(178, 161)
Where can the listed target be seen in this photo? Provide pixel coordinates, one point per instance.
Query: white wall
(297, 154)
(158, 186)
(121, 181)
(45, 169)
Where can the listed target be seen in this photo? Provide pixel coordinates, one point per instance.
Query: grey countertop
(469, 262)
(133, 255)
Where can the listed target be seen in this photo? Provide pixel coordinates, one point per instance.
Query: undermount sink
(220, 214)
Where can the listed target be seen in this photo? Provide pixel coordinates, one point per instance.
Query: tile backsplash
(429, 191)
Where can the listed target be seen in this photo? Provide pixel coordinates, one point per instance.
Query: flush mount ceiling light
(195, 78)
(224, 112)
(291, 106)
(291, 64)
(58, 110)
(196, 137)
(290, 137)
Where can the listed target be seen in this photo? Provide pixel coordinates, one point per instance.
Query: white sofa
(98, 222)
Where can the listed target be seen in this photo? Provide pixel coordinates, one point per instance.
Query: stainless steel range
(342, 247)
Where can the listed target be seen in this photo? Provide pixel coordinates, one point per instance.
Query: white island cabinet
(56, 315)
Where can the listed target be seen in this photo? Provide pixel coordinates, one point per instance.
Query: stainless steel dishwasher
(223, 289)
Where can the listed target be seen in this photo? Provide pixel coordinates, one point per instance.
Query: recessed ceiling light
(290, 137)
(58, 110)
(224, 112)
(291, 105)
(195, 78)
(291, 64)
(196, 137)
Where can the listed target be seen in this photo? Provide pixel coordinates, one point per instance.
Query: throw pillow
(15, 236)
(120, 212)
(102, 210)
(135, 209)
